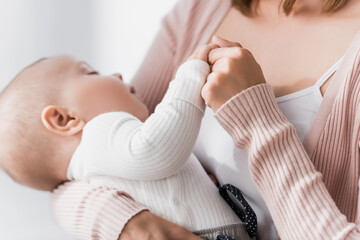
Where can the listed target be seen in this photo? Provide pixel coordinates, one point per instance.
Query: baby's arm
(160, 146)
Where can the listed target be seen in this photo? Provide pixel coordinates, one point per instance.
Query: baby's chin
(144, 114)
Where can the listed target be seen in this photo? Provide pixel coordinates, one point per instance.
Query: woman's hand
(234, 69)
(147, 226)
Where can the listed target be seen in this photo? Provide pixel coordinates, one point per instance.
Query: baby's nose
(118, 75)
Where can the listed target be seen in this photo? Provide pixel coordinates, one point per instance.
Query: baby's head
(43, 111)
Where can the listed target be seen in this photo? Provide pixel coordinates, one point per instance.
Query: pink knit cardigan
(311, 190)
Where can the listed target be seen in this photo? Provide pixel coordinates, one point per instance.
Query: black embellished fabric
(245, 213)
(224, 237)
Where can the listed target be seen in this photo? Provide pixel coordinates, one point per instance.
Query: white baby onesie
(153, 161)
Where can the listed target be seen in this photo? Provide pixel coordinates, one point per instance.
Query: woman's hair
(246, 7)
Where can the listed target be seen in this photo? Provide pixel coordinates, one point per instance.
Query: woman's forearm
(293, 190)
(90, 212)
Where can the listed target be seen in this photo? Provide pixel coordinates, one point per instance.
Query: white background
(112, 35)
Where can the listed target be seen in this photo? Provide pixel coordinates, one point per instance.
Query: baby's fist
(202, 52)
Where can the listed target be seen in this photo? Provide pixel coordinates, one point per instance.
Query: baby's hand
(202, 53)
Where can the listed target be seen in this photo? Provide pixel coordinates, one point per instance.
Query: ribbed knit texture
(151, 160)
(312, 197)
(101, 213)
(120, 145)
(298, 199)
(190, 24)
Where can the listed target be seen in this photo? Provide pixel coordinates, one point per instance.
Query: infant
(61, 120)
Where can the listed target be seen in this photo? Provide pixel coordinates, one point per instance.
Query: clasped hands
(233, 69)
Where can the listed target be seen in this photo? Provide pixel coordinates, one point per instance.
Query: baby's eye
(93, 73)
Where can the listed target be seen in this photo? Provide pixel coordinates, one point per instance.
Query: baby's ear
(59, 121)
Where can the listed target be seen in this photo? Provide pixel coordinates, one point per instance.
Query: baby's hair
(24, 145)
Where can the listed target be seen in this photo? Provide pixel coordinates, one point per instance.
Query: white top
(152, 161)
(218, 154)
(301, 107)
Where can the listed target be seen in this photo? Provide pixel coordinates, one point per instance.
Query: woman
(295, 44)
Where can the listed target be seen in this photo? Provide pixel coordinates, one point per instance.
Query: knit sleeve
(71, 202)
(190, 24)
(165, 141)
(89, 212)
(298, 200)
(120, 145)
(158, 66)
